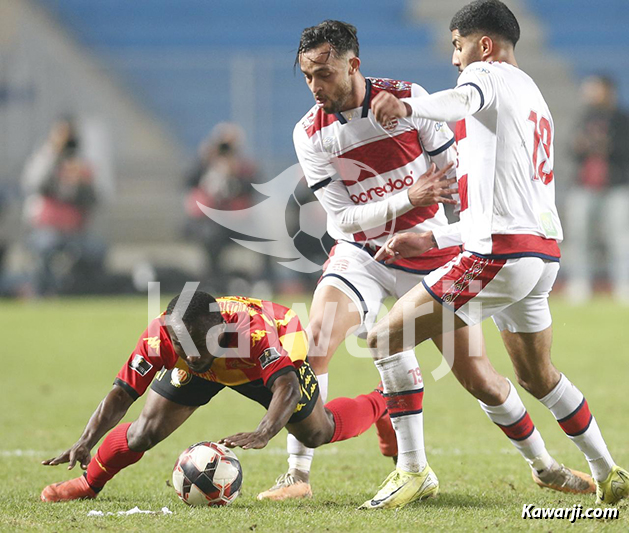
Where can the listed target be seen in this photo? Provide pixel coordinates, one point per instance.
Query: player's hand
(386, 107)
(79, 453)
(246, 441)
(433, 187)
(405, 245)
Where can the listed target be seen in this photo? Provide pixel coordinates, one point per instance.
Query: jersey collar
(365, 104)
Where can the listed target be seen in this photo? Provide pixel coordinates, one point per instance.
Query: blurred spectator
(599, 199)
(60, 198)
(221, 179)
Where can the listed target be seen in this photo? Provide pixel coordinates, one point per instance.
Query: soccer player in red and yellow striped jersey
(199, 346)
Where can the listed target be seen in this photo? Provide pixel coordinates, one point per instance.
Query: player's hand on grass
(79, 453)
(433, 187)
(405, 245)
(387, 107)
(246, 441)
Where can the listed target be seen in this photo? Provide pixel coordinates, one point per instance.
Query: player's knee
(323, 341)
(378, 344)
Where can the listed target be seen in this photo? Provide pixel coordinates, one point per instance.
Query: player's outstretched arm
(444, 106)
(405, 245)
(108, 413)
(286, 394)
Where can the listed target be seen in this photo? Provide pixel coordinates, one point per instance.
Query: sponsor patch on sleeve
(269, 356)
(140, 365)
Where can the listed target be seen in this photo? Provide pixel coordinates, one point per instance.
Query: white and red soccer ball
(207, 474)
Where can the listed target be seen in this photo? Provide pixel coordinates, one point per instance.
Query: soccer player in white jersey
(510, 232)
(392, 186)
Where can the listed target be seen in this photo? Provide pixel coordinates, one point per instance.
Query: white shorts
(514, 292)
(353, 271)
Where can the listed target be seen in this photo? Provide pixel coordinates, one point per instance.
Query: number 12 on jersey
(542, 138)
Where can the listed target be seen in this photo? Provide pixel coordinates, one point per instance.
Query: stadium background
(149, 79)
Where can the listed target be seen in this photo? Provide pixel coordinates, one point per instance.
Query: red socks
(353, 416)
(112, 456)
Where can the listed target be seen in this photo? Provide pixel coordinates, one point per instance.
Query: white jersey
(367, 200)
(505, 137)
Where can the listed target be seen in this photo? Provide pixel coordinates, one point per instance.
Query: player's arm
(322, 178)
(131, 382)
(409, 244)
(108, 413)
(432, 187)
(286, 395)
(473, 93)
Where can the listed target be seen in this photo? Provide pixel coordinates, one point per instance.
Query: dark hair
(201, 314)
(606, 80)
(491, 17)
(340, 35)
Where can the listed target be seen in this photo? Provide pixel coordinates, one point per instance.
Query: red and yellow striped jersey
(263, 341)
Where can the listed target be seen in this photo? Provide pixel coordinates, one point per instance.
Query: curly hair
(491, 17)
(201, 314)
(341, 36)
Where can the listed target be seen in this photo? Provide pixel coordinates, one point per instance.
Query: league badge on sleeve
(269, 356)
(140, 365)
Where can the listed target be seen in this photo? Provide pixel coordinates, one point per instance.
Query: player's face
(467, 49)
(328, 77)
(199, 360)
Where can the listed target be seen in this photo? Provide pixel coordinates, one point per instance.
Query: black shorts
(186, 389)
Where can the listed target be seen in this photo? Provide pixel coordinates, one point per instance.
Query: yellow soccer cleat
(287, 487)
(614, 488)
(564, 479)
(403, 487)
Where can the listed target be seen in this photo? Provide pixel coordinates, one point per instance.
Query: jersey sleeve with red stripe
(153, 352)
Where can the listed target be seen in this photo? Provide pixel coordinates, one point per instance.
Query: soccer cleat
(403, 487)
(386, 434)
(287, 487)
(614, 488)
(73, 489)
(563, 479)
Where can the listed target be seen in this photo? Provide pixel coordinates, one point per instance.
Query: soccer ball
(207, 474)
(306, 224)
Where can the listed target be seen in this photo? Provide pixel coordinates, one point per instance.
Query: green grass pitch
(59, 359)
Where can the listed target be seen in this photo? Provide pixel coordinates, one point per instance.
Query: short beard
(336, 106)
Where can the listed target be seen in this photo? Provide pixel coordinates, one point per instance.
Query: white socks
(571, 410)
(514, 420)
(404, 390)
(300, 456)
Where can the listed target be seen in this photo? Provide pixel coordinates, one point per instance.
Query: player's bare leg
(123, 446)
(333, 316)
(502, 404)
(531, 357)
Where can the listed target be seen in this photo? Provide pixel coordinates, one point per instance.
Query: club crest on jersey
(179, 377)
(269, 356)
(328, 144)
(391, 125)
(140, 365)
